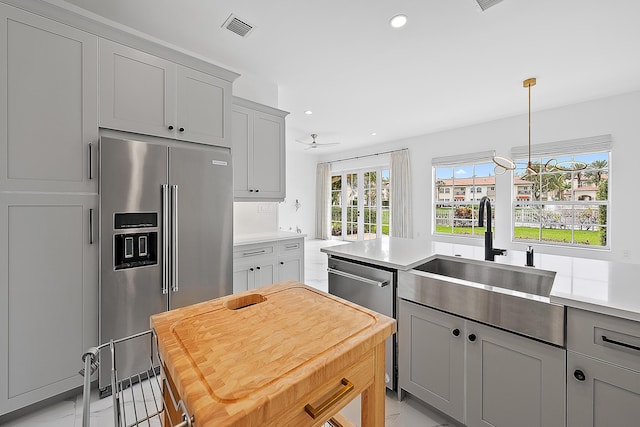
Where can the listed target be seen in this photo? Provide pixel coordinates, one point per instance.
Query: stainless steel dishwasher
(372, 287)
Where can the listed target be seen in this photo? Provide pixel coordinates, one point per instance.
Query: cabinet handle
(251, 269)
(257, 268)
(472, 337)
(90, 169)
(579, 375)
(322, 408)
(91, 226)
(170, 127)
(620, 343)
(292, 246)
(281, 262)
(181, 129)
(261, 251)
(250, 190)
(381, 284)
(257, 191)
(456, 332)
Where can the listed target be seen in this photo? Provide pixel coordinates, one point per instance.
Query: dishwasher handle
(381, 284)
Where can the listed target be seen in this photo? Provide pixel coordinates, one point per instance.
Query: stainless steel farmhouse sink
(508, 297)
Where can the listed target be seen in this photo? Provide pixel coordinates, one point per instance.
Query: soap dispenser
(530, 257)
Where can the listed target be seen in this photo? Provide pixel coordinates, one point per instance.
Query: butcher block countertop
(259, 357)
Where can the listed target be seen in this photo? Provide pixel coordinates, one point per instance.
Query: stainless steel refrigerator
(166, 219)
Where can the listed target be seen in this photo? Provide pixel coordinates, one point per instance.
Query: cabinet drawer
(288, 246)
(252, 251)
(360, 375)
(608, 338)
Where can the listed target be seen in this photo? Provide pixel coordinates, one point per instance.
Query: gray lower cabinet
(260, 264)
(601, 394)
(431, 364)
(48, 294)
(513, 381)
(603, 370)
(479, 375)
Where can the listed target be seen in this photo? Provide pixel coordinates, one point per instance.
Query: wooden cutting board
(231, 356)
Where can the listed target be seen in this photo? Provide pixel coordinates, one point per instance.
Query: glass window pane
(336, 182)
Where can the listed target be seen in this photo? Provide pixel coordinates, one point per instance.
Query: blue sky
(486, 169)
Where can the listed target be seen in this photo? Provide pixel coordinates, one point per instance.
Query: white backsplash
(254, 217)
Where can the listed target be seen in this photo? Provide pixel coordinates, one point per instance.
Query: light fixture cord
(529, 88)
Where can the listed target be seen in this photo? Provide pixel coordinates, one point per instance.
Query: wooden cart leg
(373, 397)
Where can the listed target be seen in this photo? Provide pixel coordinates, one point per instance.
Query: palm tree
(596, 172)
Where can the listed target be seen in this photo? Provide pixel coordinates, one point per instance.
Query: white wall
(618, 116)
(301, 186)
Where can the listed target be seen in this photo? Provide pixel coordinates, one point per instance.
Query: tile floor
(408, 413)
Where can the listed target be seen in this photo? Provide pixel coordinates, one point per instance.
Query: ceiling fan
(314, 144)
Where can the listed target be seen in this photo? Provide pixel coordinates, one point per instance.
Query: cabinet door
(48, 294)
(604, 395)
(513, 381)
(431, 350)
(290, 268)
(242, 278)
(241, 133)
(264, 274)
(137, 91)
(48, 113)
(267, 157)
(203, 101)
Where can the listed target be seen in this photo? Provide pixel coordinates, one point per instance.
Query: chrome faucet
(489, 251)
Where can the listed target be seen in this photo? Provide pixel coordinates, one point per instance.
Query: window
(365, 194)
(564, 208)
(459, 216)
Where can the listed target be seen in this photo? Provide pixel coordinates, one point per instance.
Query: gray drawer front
(604, 337)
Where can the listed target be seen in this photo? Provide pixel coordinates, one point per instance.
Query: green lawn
(591, 238)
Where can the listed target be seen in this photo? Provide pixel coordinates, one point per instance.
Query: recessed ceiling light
(308, 112)
(373, 134)
(398, 21)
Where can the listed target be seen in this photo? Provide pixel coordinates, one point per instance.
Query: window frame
(574, 205)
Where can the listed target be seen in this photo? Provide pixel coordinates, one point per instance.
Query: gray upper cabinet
(258, 151)
(48, 117)
(145, 94)
(479, 375)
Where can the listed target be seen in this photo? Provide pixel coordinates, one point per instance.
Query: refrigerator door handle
(174, 238)
(165, 239)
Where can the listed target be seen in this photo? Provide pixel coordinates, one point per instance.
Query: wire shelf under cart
(140, 400)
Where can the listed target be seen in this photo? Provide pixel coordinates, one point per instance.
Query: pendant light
(504, 164)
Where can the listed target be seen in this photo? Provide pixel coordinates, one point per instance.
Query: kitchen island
(285, 354)
(481, 370)
(600, 286)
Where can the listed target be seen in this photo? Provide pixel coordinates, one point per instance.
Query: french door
(360, 204)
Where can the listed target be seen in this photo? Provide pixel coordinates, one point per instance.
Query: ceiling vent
(486, 4)
(238, 26)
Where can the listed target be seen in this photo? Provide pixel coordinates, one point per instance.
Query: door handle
(90, 165)
(165, 238)
(174, 237)
(381, 284)
(91, 226)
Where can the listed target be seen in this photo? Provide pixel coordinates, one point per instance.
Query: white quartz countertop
(600, 286)
(247, 239)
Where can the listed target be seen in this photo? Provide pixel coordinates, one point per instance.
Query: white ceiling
(451, 66)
